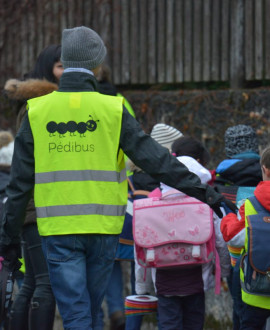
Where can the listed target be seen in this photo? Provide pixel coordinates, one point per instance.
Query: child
(234, 231)
(165, 135)
(242, 166)
(181, 302)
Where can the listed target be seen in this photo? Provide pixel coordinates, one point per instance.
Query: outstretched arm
(160, 164)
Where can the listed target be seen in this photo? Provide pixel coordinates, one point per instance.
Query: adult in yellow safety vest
(70, 150)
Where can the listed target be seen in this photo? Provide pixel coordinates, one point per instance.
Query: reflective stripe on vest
(249, 298)
(63, 210)
(80, 176)
(85, 175)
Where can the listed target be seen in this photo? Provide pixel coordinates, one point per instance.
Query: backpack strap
(217, 266)
(217, 273)
(229, 192)
(256, 204)
(140, 193)
(130, 184)
(134, 192)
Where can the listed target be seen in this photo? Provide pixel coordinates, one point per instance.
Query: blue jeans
(114, 294)
(178, 313)
(80, 267)
(236, 296)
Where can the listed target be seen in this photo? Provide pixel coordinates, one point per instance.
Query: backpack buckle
(266, 219)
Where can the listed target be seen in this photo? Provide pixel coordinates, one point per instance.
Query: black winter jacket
(247, 172)
(4, 178)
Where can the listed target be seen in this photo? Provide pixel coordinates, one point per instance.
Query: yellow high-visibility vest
(80, 175)
(131, 111)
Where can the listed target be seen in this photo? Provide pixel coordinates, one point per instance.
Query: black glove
(229, 207)
(217, 210)
(215, 200)
(11, 252)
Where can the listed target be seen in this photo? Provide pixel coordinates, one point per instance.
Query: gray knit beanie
(82, 48)
(239, 139)
(165, 134)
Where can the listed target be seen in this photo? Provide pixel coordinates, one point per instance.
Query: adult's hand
(215, 200)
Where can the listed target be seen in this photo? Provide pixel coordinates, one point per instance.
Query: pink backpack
(174, 231)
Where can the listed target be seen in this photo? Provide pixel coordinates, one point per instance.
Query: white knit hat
(165, 134)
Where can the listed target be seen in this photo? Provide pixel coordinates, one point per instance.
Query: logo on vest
(72, 127)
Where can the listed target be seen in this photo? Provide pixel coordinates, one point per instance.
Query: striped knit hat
(165, 134)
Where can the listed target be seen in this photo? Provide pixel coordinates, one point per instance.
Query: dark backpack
(255, 263)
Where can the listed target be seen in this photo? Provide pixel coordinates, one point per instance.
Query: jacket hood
(262, 194)
(240, 172)
(194, 167)
(27, 89)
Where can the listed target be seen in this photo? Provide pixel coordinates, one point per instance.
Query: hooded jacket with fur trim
(19, 91)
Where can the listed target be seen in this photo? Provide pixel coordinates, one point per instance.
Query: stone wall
(205, 114)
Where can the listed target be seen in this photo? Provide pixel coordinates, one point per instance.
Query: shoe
(41, 315)
(117, 321)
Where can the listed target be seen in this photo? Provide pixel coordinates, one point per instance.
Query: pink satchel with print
(173, 230)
